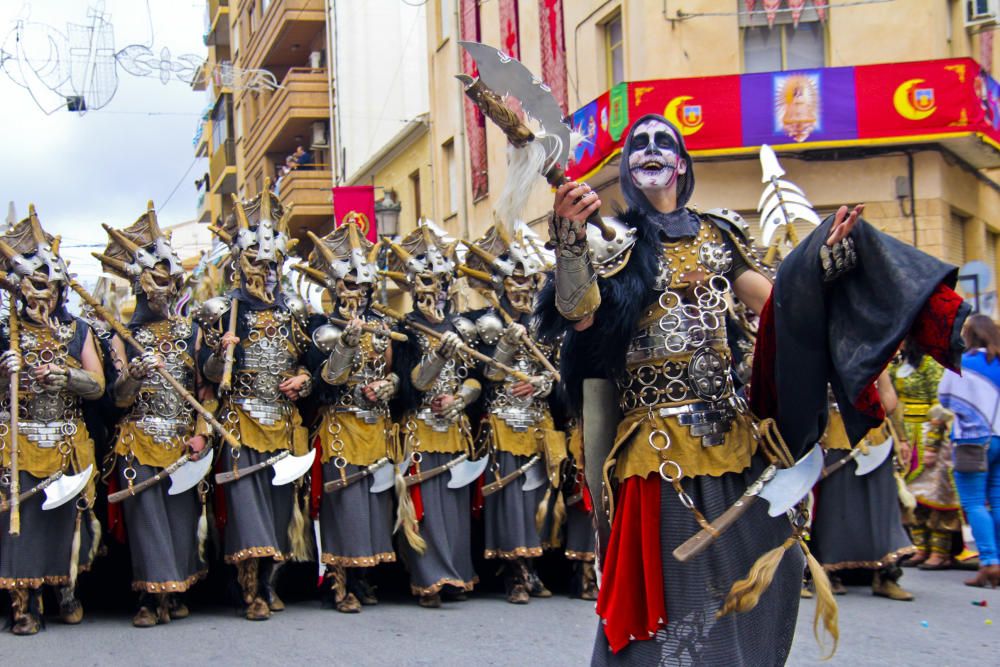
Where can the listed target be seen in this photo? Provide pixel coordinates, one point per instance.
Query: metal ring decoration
(181, 345)
(47, 356)
(666, 297)
(129, 474)
(68, 429)
(30, 358)
(64, 448)
(649, 395)
(675, 343)
(629, 399)
(686, 500)
(340, 463)
(676, 390)
(253, 336)
(665, 476)
(4, 430)
(645, 374)
(416, 457)
(709, 320)
(720, 284)
(82, 504)
(673, 371)
(236, 453)
(659, 434)
(697, 336)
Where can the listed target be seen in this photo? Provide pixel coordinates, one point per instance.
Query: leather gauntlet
(426, 372)
(84, 384)
(466, 395)
(338, 365)
(577, 295)
(837, 259)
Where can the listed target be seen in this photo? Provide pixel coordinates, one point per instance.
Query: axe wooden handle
(15, 469)
(837, 465)
(233, 475)
(136, 489)
(556, 177)
(227, 369)
(377, 331)
(526, 338)
(704, 537)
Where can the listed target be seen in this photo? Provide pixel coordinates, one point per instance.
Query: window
(220, 123)
(614, 52)
(445, 11)
(235, 37)
(449, 160)
(415, 186)
(783, 46)
(264, 4)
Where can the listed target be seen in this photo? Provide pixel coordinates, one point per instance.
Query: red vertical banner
(550, 13)
(356, 204)
(475, 122)
(510, 31)
(986, 51)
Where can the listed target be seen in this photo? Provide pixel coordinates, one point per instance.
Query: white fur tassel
(74, 556)
(297, 531)
(406, 516)
(524, 167)
(202, 532)
(95, 529)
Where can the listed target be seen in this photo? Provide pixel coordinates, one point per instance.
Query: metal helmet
(140, 247)
(27, 249)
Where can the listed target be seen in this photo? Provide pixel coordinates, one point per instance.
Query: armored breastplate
(448, 381)
(679, 361)
(159, 411)
(519, 413)
(270, 356)
(46, 418)
(369, 366)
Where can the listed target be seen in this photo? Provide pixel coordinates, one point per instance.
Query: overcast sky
(103, 166)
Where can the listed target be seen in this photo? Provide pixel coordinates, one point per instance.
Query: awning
(952, 102)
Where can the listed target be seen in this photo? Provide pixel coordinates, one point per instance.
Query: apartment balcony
(209, 206)
(217, 28)
(283, 34)
(205, 135)
(308, 192)
(222, 168)
(303, 99)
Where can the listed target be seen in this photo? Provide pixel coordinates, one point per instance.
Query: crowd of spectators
(300, 159)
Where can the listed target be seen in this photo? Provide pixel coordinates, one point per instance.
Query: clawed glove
(838, 259)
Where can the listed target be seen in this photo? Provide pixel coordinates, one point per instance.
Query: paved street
(556, 631)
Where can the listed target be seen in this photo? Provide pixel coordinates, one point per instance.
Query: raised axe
(781, 488)
(59, 489)
(501, 75)
(436, 335)
(781, 204)
(287, 468)
(183, 473)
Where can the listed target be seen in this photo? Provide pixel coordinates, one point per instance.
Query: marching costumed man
(856, 516)
(354, 434)
(253, 345)
(645, 311)
(435, 389)
(159, 427)
(579, 543)
(518, 423)
(50, 367)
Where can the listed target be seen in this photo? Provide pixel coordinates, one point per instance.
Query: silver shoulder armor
(325, 337)
(466, 329)
(297, 307)
(610, 256)
(212, 310)
(737, 222)
(489, 327)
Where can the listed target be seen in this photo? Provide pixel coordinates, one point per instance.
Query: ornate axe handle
(519, 135)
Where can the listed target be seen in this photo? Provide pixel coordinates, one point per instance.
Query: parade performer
(518, 423)
(354, 433)
(645, 309)
(856, 519)
(159, 426)
(435, 389)
(579, 544)
(266, 332)
(56, 364)
(935, 524)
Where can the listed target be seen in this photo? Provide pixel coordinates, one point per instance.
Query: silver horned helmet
(426, 266)
(257, 236)
(513, 266)
(143, 255)
(343, 262)
(34, 268)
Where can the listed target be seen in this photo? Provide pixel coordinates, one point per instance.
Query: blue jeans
(976, 490)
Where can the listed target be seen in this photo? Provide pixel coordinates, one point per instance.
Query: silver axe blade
(467, 472)
(291, 467)
(534, 476)
(507, 76)
(782, 202)
(66, 488)
(382, 478)
(189, 474)
(790, 485)
(877, 454)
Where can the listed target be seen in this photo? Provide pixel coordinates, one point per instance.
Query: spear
(15, 482)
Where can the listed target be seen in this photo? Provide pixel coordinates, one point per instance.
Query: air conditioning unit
(319, 138)
(980, 12)
(316, 59)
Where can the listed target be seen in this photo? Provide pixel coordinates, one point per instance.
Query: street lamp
(387, 214)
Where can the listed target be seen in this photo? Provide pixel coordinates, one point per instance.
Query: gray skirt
(41, 553)
(856, 520)
(445, 527)
(355, 525)
(257, 512)
(509, 515)
(694, 591)
(580, 535)
(162, 535)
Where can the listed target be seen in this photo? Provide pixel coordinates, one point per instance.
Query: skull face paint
(654, 161)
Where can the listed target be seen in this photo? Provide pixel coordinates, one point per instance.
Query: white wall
(381, 73)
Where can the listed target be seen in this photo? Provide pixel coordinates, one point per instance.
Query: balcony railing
(223, 156)
(303, 97)
(272, 26)
(308, 190)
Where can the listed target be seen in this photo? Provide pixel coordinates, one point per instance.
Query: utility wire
(172, 192)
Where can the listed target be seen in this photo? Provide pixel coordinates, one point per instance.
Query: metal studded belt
(709, 421)
(46, 434)
(704, 376)
(267, 412)
(436, 422)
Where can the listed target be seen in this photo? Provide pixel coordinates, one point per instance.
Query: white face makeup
(654, 162)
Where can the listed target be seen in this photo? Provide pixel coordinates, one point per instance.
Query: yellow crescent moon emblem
(901, 99)
(670, 113)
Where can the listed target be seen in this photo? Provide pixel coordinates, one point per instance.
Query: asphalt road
(488, 631)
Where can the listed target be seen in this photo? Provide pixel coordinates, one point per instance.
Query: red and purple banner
(553, 43)
(356, 203)
(834, 106)
(475, 122)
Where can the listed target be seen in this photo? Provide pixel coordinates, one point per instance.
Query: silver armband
(575, 286)
(214, 367)
(427, 371)
(126, 389)
(338, 365)
(504, 355)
